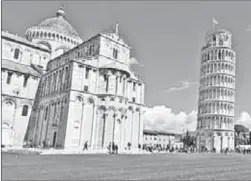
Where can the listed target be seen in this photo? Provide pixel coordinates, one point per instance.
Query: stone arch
(219, 55)
(221, 107)
(209, 108)
(225, 108)
(49, 35)
(122, 111)
(210, 55)
(224, 80)
(45, 34)
(41, 34)
(6, 125)
(101, 125)
(45, 43)
(10, 101)
(215, 54)
(63, 47)
(102, 107)
(130, 108)
(223, 54)
(111, 108)
(9, 110)
(214, 67)
(90, 100)
(80, 98)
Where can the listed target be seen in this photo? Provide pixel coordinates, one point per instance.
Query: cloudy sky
(166, 38)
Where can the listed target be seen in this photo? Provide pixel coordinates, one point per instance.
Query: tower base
(215, 140)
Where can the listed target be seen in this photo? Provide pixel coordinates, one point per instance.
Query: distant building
(190, 133)
(178, 142)
(154, 138)
(242, 135)
(215, 124)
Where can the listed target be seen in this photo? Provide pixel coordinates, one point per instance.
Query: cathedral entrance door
(117, 132)
(5, 134)
(221, 143)
(54, 139)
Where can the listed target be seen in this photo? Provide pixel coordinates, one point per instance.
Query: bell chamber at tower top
(219, 38)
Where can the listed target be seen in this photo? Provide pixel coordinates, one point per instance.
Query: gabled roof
(115, 36)
(152, 132)
(17, 67)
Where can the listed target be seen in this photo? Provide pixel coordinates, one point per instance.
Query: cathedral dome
(55, 28)
(59, 24)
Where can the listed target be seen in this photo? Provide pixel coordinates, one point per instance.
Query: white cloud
(184, 85)
(134, 61)
(244, 119)
(163, 118)
(249, 28)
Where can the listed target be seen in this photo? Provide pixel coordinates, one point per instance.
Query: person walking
(113, 147)
(109, 148)
(116, 149)
(85, 146)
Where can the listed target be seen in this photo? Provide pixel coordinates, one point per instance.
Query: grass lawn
(162, 166)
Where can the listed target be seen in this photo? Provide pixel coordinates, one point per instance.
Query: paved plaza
(156, 166)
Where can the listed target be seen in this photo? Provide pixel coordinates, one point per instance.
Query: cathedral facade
(215, 125)
(83, 92)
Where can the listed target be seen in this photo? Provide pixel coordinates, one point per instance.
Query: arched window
(211, 68)
(25, 110)
(46, 113)
(214, 38)
(16, 53)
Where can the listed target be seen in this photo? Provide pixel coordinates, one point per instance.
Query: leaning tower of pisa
(215, 124)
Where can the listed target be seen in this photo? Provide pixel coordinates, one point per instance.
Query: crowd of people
(113, 148)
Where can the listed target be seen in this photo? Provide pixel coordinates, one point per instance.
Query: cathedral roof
(17, 67)
(118, 66)
(19, 39)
